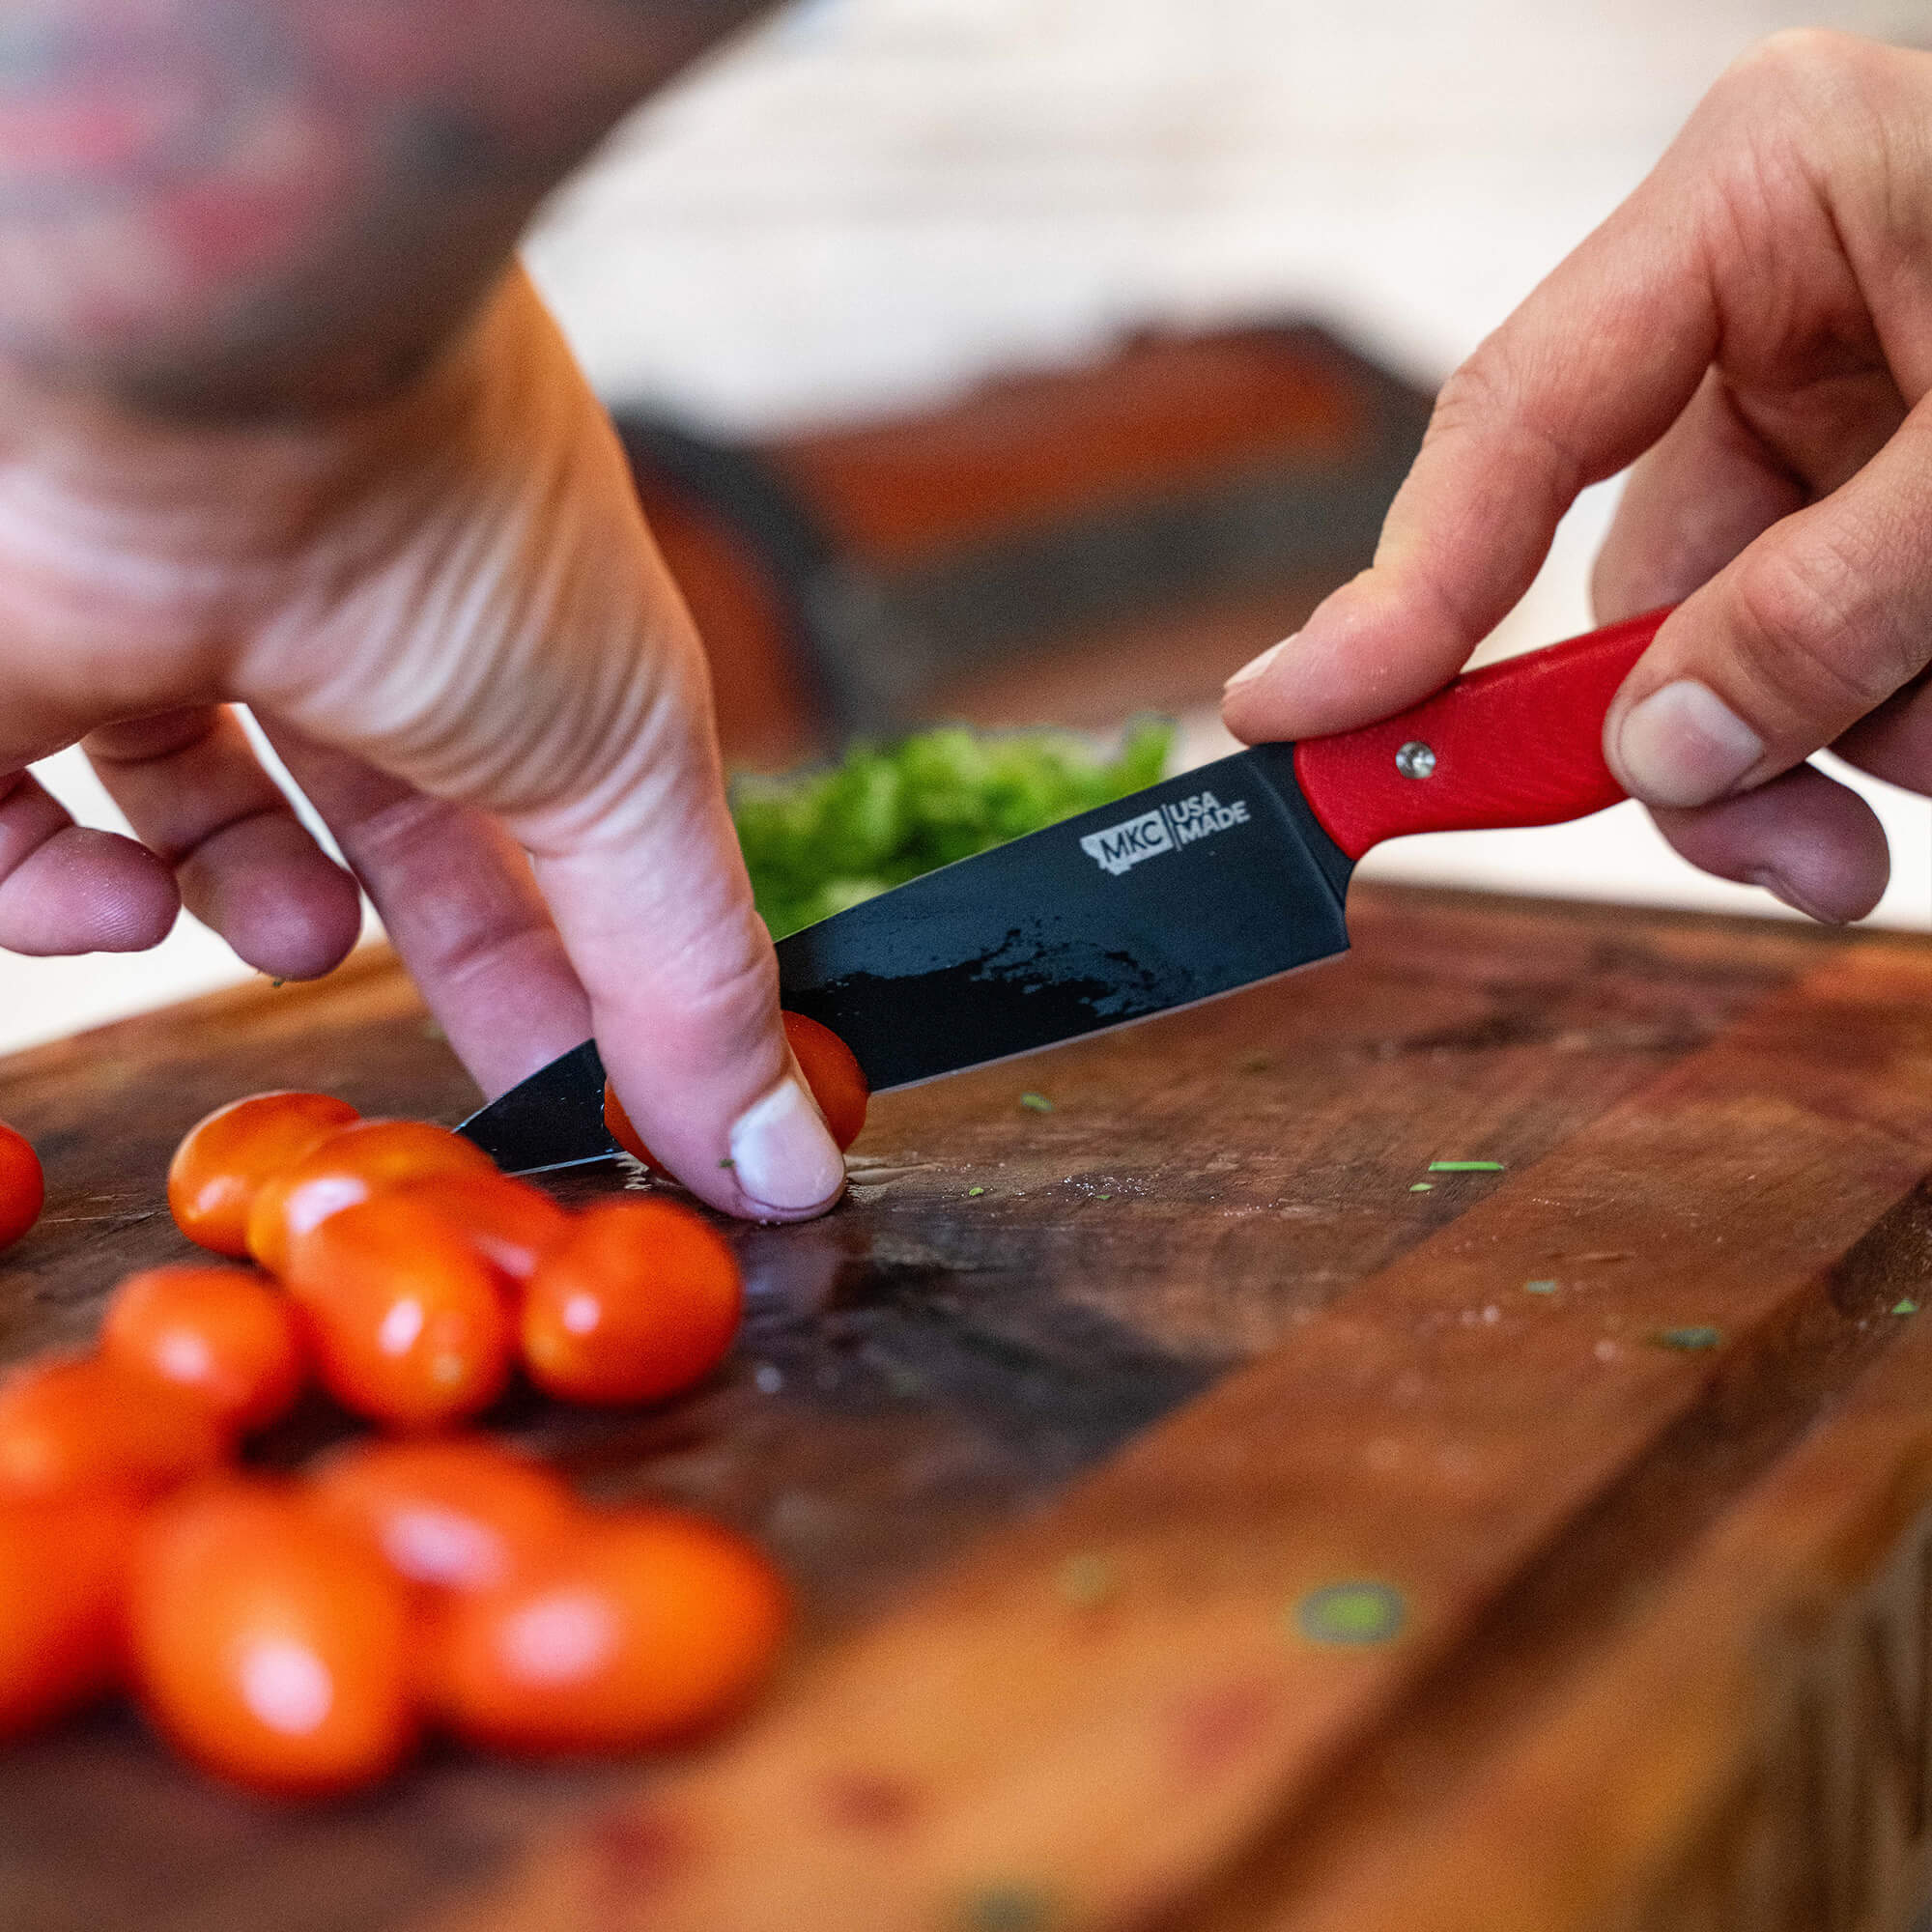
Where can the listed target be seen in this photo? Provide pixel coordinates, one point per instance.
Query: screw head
(1415, 760)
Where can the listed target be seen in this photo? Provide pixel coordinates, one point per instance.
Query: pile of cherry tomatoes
(295, 1634)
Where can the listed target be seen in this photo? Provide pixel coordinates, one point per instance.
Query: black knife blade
(1227, 875)
(1191, 888)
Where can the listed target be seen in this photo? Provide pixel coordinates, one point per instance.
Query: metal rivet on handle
(1415, 760)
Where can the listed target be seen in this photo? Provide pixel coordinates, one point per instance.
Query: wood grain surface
(1206, 1515)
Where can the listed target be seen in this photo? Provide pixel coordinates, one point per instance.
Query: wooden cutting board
(1206, 1515)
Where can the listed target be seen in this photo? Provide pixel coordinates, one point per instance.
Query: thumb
(1810, 629)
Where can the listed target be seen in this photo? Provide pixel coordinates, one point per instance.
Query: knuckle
(1804, 66)
(1802, 634)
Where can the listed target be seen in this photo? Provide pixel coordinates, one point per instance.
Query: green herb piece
(1006, 1908)
(1036, 1103)
(1465, 1167)
(277, 983)
(974, 1193)
(1350, 1613)
(818, 842)
(1103, 1196)
(1087, 1580)
(1539, 1288)
(1687, 1338)
(728, 1161)
(1905, 1307)
(1422, 1188)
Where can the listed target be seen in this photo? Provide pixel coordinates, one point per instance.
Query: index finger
(1589, 373)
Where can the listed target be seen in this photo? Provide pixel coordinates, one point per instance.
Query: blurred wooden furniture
(1060, 547)
(1206, 1515)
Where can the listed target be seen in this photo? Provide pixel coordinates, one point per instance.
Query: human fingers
(1820, 621)
(1894, 742)
(1589, 372)
(515, 645)
(1730, 467)
(68, 887)
(460, 907)
(1805, 838)
(197, 796)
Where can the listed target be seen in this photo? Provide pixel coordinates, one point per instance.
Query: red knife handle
(1516, 742)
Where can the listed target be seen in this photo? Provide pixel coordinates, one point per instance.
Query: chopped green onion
(1905, 1307)
(1036, 1103)
(1539, 1288)
(818, 842)
(1688, 1338)
(1465, 1167)
(1422, 1188)
(974, 1193)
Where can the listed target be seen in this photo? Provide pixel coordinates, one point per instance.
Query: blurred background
(1039, 361)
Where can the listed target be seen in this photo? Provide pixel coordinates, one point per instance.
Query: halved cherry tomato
(509, 1222)
(63, 1574)
(462, 1513)
(23, 1187)
(638, 1299)
(352, 1164)
(647, 1627)
(224, 1334)
(407, 1323)
(271, 1646)
(78, 1424)
(224, 1160)
(830, 1070)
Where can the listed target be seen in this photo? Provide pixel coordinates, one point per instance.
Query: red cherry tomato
(640, 1299)
(509, 1222)
(272, 1647)
(643, 1627)
(352, 1164)
(79, 1424)
(833, 1074)
(407, 1323)
(224, 1160)
(830, 1070)
(63, 1574)
(462, 1513)
(224, 1334)
(23, 1187)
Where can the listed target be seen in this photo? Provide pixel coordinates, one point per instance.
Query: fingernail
(1782, 887)
(1254, 667)
(783, 1156)
(1683, 746)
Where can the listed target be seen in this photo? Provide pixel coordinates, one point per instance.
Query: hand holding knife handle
(1516, 742)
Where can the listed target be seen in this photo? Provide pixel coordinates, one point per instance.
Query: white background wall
(867, 202)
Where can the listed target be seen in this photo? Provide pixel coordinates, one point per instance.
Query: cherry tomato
(352, 1163)
(78, 1423)
(407, 1323)
(224, 1334)
(643, 1627)
(63, 1573)
(459, 1514)
(833, 1074)
(830, 1070)
(508, 1221)
(274, 1648)
(23, 1187)
(640, 1298)
(224, 1160)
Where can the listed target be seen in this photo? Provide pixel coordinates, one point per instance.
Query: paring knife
(1228, 875)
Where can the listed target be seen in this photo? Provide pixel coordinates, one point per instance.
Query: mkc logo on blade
(1164, 829)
